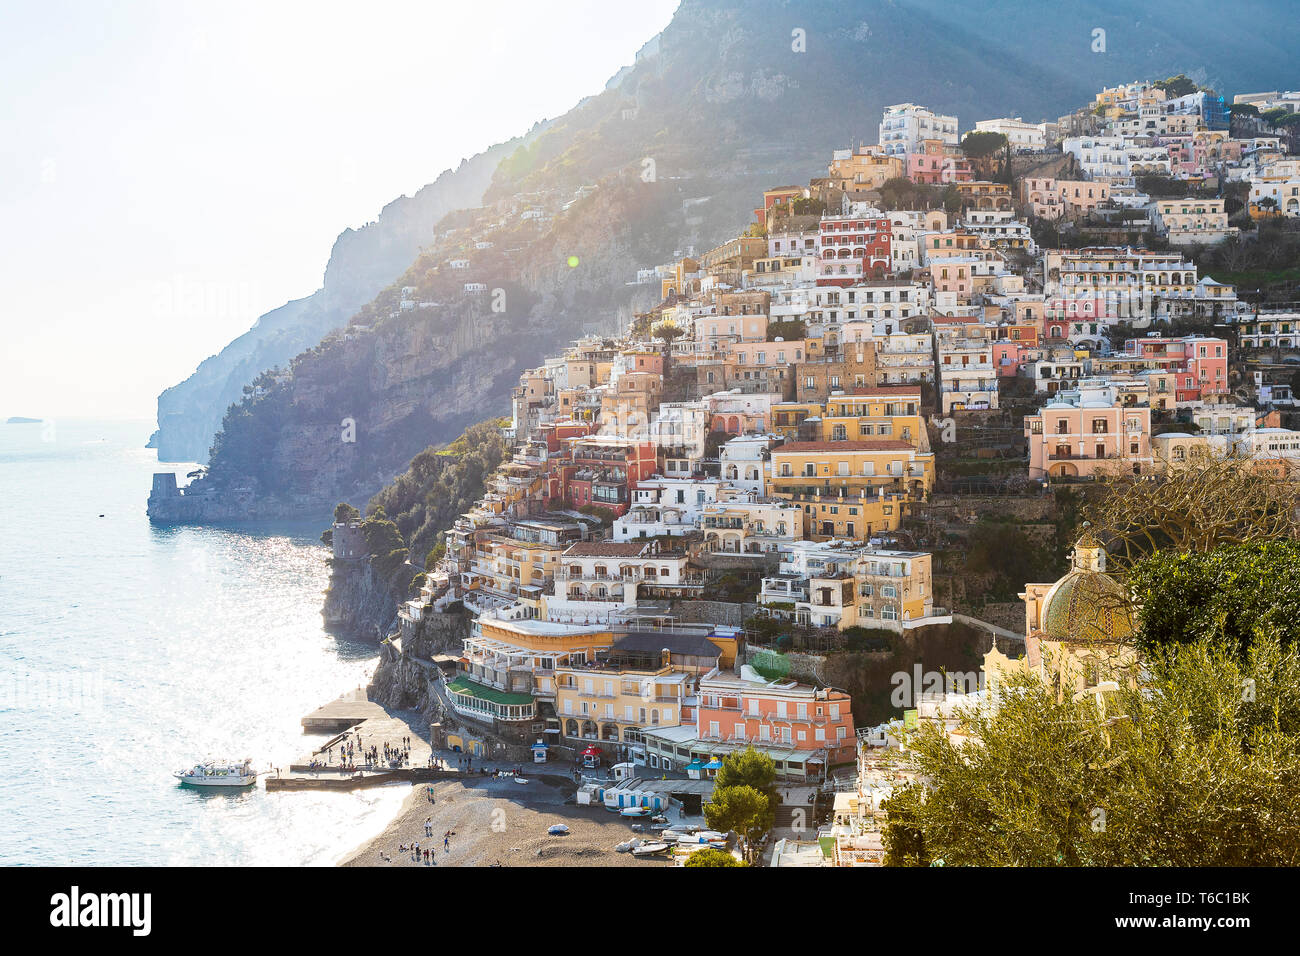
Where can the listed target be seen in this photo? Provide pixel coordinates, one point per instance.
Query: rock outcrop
(404, 678)
(358, 604)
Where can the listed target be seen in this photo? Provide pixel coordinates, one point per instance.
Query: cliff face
(402, 680)
(362, 262)
(358, 604)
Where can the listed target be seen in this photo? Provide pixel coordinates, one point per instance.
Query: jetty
(356, 719)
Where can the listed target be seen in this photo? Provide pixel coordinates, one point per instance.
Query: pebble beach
(495, 821)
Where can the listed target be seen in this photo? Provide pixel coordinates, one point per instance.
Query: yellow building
(850, 489)
(881, 412)
(521, 656)
(864, 168)
(647, 679)
(788, 416)
(515, 569)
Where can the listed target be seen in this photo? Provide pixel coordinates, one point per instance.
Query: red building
(601, 470)
(555, 433)
(853, 248)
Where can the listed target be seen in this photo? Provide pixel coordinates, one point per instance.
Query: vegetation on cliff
(440, 484)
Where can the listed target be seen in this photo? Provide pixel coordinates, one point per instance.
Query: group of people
(352, 746)
(418, 854)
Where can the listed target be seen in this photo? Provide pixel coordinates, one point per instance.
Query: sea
(129, 651)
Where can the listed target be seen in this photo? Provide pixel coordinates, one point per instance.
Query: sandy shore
(495, 820)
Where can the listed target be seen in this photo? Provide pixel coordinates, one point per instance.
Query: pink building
(1089, 431)
(749, 710)
(1008, 356)
(1198, 364)
(937, 163)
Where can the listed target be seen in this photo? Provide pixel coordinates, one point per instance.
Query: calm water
(128, 651)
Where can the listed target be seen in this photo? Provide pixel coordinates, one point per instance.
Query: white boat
(635, 812)
(650, 848)
(216, 773)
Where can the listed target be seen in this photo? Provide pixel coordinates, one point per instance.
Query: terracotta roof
(607, 549)
(883, 444)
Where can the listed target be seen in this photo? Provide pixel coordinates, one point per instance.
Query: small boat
(635, 812)
(710, 837)
(557, 829)
(679, 831)
(216, 773)
(650, 848)
(521, 779)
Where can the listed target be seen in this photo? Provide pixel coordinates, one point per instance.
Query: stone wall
(713, 612)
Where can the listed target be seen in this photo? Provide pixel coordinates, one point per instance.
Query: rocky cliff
(403, 678)
(359, 603)
(362, 262)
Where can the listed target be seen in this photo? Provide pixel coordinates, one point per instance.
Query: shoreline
(497, 822)
(344, 858)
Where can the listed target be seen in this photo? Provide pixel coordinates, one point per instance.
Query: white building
(665, 506)
(1022, 136)
(597, 582)
(905, 126)
(743, 461)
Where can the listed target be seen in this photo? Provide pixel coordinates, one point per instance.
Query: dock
(353, 718)
(338, 715)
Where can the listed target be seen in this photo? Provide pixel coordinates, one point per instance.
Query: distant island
(19, 420)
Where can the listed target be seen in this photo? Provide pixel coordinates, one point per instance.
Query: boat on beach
(650, 848)
(215, 773)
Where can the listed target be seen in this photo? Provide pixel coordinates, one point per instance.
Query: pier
(353, 718)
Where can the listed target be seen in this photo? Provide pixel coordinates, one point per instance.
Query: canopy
(592, 751)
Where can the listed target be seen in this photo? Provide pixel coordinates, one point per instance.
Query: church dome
(1087, 606)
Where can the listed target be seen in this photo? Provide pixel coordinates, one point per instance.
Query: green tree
(791, 330)
(1229, 594)
(1195, 764)
(344, 512)
(1176, 86)
(713, 857)
(384, 543)
(744, 810)
(978, 145)
(748, 768)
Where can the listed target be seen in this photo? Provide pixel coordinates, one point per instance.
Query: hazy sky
(171, 170)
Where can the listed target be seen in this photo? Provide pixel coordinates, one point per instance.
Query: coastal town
(952, 325)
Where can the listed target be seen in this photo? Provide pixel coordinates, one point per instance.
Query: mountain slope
(678, 147)
(362, 262)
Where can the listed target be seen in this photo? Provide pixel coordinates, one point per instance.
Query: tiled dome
(1087, 606)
